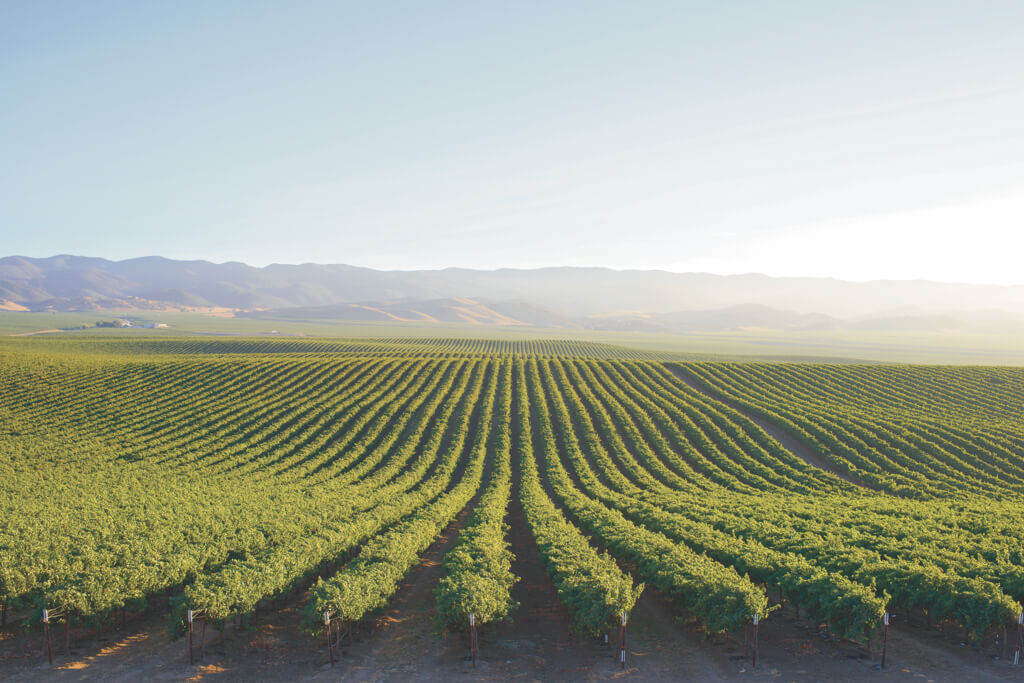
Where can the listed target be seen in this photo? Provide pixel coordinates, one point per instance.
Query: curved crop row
(478, 570)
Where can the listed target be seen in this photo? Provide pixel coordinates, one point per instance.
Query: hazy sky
(854, 139)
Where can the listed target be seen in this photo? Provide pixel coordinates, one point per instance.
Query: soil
(29, 334)
(402, 644)
(788, 440)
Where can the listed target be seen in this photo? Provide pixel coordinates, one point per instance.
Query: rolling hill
(598, 298)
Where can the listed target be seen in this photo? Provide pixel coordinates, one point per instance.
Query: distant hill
(456, 310)
(599, 298)
(750, 317)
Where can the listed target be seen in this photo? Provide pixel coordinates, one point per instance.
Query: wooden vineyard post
(67, 634)
(753, 643)
(46, 634)
(885, 636)
(1020, 639)
(191, 658)
(473, 643)
(622, 641)
(330, 642)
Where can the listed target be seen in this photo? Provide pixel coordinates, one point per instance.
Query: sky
(859, 140)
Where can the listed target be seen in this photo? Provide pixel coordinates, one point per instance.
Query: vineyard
(411, 347)
(203, 482)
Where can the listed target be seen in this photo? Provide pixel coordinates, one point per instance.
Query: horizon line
(523, 268)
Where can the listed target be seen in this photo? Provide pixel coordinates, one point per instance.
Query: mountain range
(599, 298)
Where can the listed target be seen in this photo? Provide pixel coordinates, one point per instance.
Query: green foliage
(590, 585)
(716, 594)
(478, 570)
(229, 472)
(367, 582)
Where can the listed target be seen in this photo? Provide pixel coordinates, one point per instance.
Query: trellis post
(473, 645)
(753, 646)
(330, 642)
(622, 641)
(46, 634)
(1020, 639)
(885, 636)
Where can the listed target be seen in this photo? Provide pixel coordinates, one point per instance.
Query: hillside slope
(81, 283)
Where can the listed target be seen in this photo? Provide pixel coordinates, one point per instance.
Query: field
(1002, 348)
(378, 493)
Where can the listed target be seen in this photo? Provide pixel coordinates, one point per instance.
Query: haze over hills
(597, 298)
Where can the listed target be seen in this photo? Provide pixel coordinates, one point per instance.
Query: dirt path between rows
(536, 647)
(788, 440)
(403, 643)
(29, 334)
